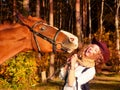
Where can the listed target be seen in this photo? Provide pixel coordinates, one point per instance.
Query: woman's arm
(71, 75)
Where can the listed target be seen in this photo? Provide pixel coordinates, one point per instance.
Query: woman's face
(92, 50)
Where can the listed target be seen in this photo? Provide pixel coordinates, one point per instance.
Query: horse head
(33, 33)
(49, 38)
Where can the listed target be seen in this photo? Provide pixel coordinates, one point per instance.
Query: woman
(81, 66)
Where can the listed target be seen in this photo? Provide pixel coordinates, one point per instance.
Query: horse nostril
(71, 39)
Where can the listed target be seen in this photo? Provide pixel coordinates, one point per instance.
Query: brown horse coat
(15, 38)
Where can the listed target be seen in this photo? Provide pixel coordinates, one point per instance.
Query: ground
(103, 81)
(106, 81)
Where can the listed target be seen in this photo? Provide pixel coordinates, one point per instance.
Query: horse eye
(42, 28)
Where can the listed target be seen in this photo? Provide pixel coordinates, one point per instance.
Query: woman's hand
(73, 61)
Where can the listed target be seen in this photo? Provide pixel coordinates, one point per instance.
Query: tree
(84, 16)
(14, 8)
(26, 6)
(51, 69)
(78, 20)
(38, 8)
(101, 19)
(90, 27)
(117, 29)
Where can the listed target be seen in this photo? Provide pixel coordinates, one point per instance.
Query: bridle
(52, 41)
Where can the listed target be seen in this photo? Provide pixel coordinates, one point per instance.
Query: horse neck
(13, 41)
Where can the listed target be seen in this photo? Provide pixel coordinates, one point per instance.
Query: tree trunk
(38, 8)
(26, 6)
(43, 75)
(117, 32)
(51, 13)
(14, 8)
(78, 20)
(90, 28)
(84, 16)
(101, 20)
(51, 70)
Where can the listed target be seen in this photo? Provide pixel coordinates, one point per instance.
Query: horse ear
(24, 19)
(29, 16)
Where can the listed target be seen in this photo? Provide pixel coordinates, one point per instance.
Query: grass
(104, 81)
(56, 84)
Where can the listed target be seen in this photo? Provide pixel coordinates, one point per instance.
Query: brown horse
(33, 34)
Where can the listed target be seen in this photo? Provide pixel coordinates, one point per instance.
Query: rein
(52, 41)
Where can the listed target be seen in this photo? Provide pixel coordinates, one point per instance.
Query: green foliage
(44, 62)
(20, 71)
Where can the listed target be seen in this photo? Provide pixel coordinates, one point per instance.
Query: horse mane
(34, 19)
(8, 26)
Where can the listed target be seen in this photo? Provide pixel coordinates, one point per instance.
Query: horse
(33, 33)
